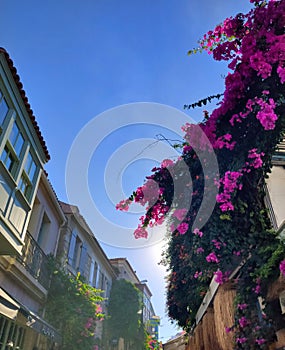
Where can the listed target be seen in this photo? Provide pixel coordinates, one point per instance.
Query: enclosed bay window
(23, 154)
(21, 176)
(13, 156)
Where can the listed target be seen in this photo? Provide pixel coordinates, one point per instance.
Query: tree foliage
(73, 307)
(124, 313)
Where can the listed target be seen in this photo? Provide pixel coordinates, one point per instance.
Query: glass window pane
(3, 109)
(30, 167)
(7, 159)
(19, 144)
(32, 171)
(28, 163)
(4, 155)
(23, 185)
(14, 134)
(16, 139)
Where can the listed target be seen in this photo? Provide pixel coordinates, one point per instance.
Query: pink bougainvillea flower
(99, 308)
(237, 253)
(200, 250)
(182, 228)
(219, 277)
(260, 341)
(217, 244)
(266, 114)
(282, 267)
(197, 232)
(180, 213)
(230, 183)
(167, 163)
(257, 288)
(242, 306)
(187, 148)
(224, 142)
(281, 73)
(227, 206)
(241, 340)
(89, 323)
(123, 205)
(228, 329)
(212, 258)
(197, 274)
(255, 158)
(140, 232)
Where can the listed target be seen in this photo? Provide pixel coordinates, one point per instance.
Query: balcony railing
(35, 261)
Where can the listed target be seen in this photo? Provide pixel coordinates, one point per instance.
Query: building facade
(34, 225)
(81, 253)
(30, 218)
(125, 271)
(148, 311)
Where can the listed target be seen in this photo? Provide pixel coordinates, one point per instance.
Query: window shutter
(91, 273)
(83, 257)
(94, 281)
(71, 247)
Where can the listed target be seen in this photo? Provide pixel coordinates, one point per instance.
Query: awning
(41, 326)
(8, 306)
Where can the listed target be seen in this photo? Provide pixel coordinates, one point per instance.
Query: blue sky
(80, 59)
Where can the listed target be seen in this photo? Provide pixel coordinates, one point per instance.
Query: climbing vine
(242, 134)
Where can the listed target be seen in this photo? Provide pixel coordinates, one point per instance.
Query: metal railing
(35, 261)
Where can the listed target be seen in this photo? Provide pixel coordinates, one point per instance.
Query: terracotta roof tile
(25, 100)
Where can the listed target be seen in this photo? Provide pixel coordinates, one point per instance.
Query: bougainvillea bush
(243, 131)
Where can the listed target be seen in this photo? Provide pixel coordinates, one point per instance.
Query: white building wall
(276, 189)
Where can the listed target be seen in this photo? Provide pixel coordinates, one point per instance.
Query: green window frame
(8, 158)
(27, 179)
(12, 150)
(4, 108)
(16, 139)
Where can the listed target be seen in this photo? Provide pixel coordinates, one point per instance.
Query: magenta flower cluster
(212, 258)
(221, 277)
(230, 183)
(282, 267)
